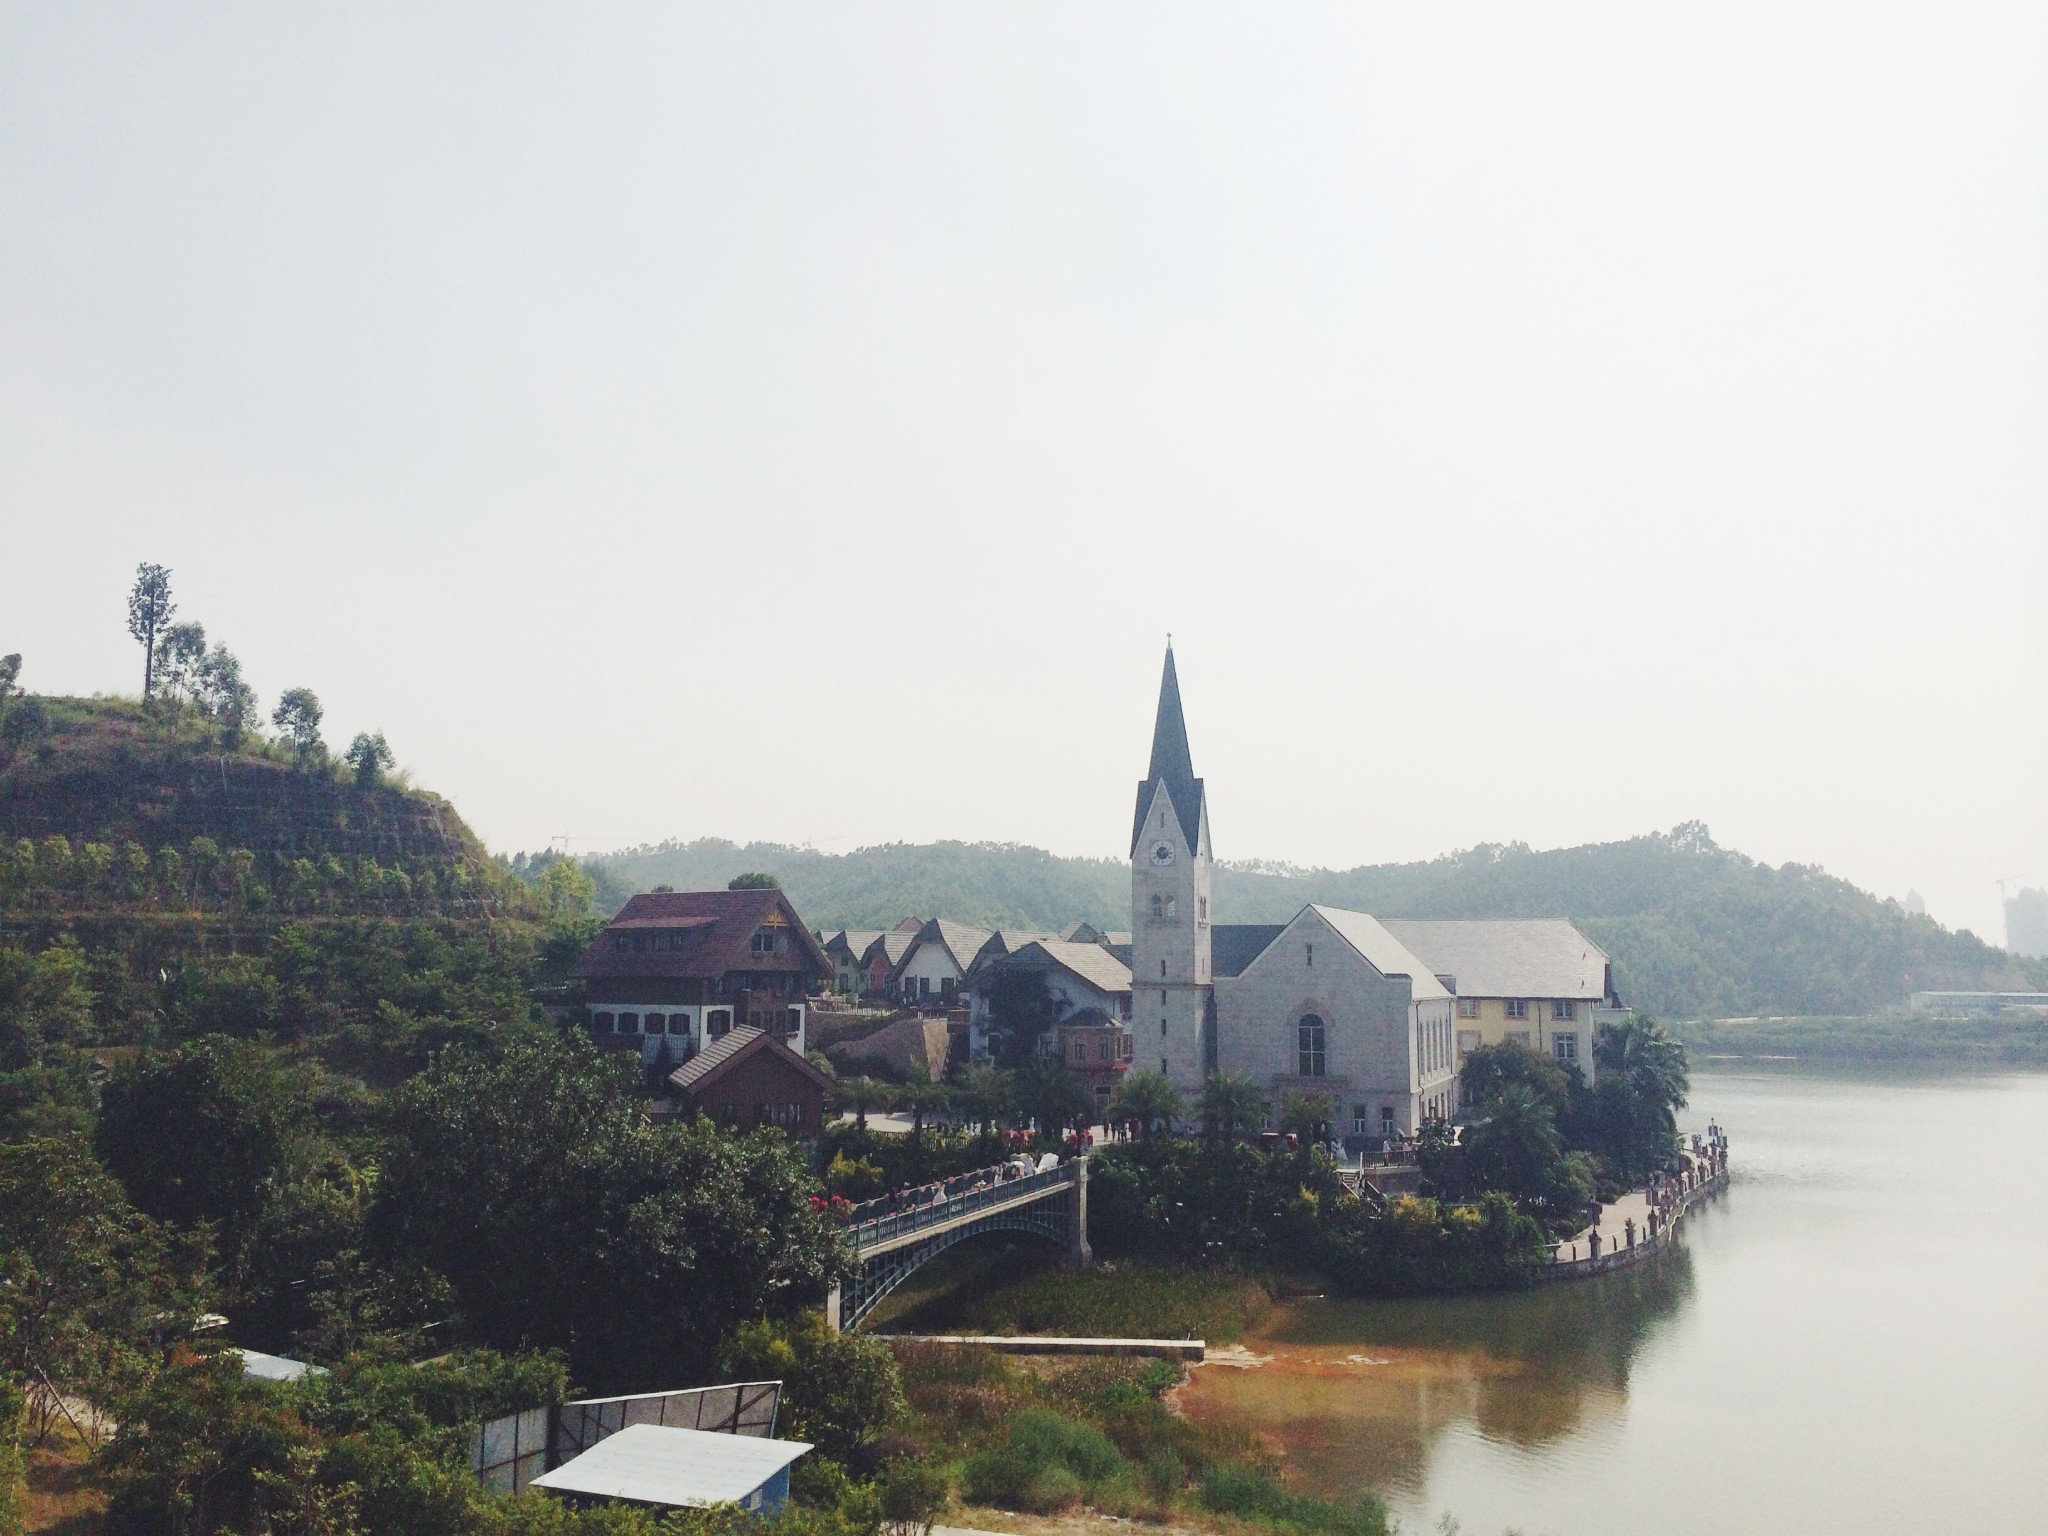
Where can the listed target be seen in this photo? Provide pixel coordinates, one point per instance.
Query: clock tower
(1172, 1023)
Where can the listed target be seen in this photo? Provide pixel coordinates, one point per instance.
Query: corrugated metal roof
(650, 1464)
(1508, 957)
(261, 1367)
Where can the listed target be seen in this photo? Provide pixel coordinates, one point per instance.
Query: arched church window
(1311, 1046)
(1159, 906)
(1172, 908)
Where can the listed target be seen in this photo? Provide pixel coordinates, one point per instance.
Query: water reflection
(1359, 1392)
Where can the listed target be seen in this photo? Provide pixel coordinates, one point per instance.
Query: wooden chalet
(747, 1077)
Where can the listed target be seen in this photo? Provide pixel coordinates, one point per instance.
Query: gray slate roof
(1233, 946)
(960, 941)
(1091, 962)
(1508, 957)
(1172, 765)
(1386, 954)
(893, 946)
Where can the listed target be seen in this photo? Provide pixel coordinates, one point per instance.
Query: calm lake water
(1853, 1338)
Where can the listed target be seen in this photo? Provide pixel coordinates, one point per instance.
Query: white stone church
(1330, 1004)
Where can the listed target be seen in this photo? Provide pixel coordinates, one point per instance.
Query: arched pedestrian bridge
(891, 1245)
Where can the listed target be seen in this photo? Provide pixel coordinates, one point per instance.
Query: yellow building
(1537, 982)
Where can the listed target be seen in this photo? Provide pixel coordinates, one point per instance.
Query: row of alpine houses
(715, 989)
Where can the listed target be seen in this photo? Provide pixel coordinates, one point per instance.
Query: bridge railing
(936, 1213)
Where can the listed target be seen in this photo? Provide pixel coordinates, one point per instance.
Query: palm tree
(1642, 1084)
(1638, 1049)
(1147, 1098)
(1231, 1100)
(1516, 1147)
(863, 1093)
(1050, 1096)
(923, 1096)
(982, 1092)
(1305, 1115)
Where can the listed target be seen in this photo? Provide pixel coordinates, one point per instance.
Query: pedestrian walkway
(1622, 1233)
(1614, 1216)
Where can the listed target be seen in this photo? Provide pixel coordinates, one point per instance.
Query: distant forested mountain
(1695, 930)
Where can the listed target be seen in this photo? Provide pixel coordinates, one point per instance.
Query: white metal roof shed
(651, 1464)
(262, 1367)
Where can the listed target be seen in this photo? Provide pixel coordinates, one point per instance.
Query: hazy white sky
(805, 422)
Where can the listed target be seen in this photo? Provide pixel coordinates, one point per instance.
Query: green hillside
(105, 806)
(1695, 930)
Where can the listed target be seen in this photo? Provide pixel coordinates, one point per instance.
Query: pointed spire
(1172, 764)
(1171, 759)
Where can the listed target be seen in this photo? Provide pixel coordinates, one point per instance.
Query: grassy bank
(1882, 1038)
(1018, 1288)
(1045, 1439)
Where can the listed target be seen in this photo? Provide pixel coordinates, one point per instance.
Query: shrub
(1424, 1246)
(838, 1389)
(1048, 1462)
(1252, 1495)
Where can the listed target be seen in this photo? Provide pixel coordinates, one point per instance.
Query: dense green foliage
(88, 1285)
(839, 1390)
(1694, 930)
(1216, 1204)
(369, 1449)
(1544, 1137)
(523, 1173)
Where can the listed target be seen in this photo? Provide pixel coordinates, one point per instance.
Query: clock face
(1162, 854)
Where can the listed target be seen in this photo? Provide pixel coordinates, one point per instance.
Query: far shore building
(1536, 982)
(675, 971)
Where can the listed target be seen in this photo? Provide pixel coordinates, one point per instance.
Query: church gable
(1306, 945)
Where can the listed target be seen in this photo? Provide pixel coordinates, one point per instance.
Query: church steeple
(1171, 872)
(1173, 765)
(1170, 756)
